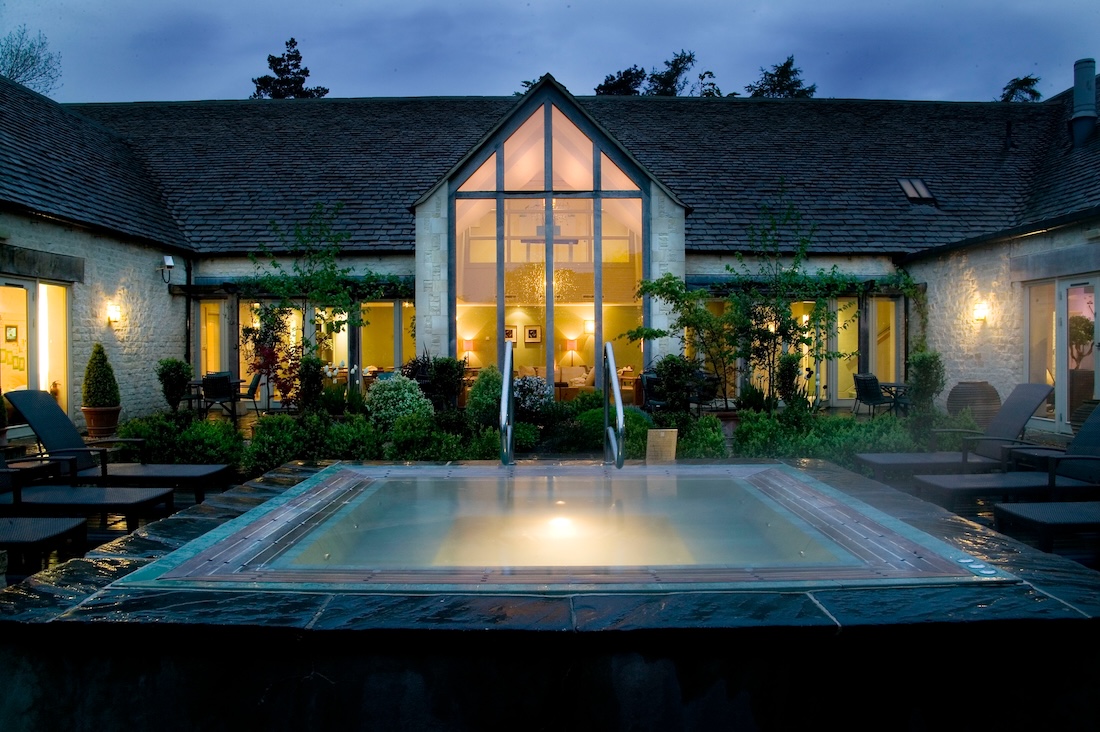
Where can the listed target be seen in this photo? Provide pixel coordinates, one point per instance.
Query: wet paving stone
(699, 610)
(447, 612)
(197, 608)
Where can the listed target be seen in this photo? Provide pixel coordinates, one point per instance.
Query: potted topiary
(175, 380)
(101, 400)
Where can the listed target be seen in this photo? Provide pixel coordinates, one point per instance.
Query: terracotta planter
(101, 421)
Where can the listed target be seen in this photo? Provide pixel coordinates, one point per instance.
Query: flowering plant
(533, 397)
(393, 398)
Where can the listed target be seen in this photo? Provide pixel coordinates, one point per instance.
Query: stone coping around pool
(854, 544)
(1050, 588)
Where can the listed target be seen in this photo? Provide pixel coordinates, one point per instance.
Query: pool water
(561, 528)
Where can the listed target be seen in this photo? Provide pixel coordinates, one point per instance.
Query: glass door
(213, 355)
(15, 352)
(884, 348)
(1077, 343)
(34, 319)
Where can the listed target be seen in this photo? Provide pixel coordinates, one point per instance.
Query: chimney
(1083, 121)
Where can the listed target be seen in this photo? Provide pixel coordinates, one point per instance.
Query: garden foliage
(174, 376)
(533, 399)
(100, 388)
(483, 399)
(389, 400)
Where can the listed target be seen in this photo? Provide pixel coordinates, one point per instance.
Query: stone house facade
(529, 221)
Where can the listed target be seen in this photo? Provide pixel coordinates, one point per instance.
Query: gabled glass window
(548, 252)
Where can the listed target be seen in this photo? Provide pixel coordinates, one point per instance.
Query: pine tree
(782, 82)
(289, 81)
(1021, 89)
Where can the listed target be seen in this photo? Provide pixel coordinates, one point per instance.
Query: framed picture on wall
(510, 332)
(532, 334)
(11, 333)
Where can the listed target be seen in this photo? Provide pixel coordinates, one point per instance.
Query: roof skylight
(916, 191)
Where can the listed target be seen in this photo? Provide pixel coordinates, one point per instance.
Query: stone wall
(667, 256)
(993, 350)
(432, 274)
(715, 264)
(231, 268)
(153, 324)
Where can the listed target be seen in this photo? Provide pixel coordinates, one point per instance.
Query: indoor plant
(101, 400)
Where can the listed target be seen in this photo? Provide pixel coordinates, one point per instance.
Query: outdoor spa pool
(561, 528)
(564, 595)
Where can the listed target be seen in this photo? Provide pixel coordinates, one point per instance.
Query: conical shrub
(100, 387)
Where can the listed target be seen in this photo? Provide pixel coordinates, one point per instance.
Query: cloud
(136, 49)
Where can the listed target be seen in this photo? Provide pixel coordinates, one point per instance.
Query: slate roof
(58, 163)
(231, 168)
(1068, 180)
(227, 169)
(838, 162)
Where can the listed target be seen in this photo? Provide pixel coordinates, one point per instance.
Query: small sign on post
(660, 446)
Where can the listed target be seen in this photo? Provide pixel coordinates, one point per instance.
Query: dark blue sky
(962, 50)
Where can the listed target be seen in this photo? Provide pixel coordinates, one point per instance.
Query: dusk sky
(154, 50)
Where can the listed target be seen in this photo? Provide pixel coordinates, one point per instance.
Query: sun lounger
(30, 540)
(58, 436)
(1042, 524)
(1073, 473)
(45, 499)
(982, 452)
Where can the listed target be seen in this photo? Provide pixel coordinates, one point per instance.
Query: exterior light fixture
(981, 311)
(166, 268)
(114, 313)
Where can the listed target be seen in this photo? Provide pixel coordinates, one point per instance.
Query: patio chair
(57, 436)
(252, 392)
(1072, 474)
(650, 388)
(218, 389)
(871, 395)
(980, 453)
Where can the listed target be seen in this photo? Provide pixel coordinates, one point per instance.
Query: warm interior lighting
(571, 347)
(981, 311)
(114, 313)
(467, 345)
(590, 326)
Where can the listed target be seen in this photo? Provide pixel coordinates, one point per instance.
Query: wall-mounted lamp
(981, 311)
(166, 268)
(590, 326)
(114, 313)
(571, 346)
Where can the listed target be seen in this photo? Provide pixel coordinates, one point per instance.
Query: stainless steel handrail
(614, 442)
(507, 409)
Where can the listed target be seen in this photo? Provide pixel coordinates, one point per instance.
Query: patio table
(898, 391)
